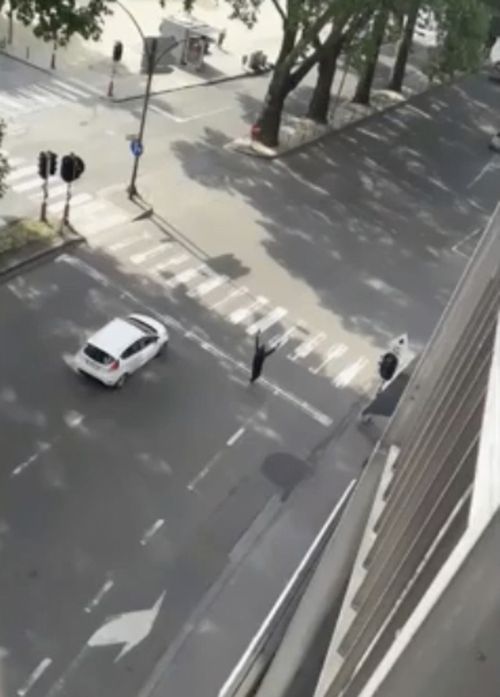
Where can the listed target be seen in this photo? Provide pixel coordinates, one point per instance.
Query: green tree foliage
(56, 21)
(4, 165)
(463, 37)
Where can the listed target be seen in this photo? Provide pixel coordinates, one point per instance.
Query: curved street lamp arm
(127, 11)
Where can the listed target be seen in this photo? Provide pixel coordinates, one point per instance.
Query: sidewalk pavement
(90, 61)
(296, 131)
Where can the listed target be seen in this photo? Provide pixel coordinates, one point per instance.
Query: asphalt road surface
(122, 502)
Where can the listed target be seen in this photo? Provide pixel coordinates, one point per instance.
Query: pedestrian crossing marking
(54, 191)
(58, 207)
(88, 228)
(90, 209)
(174, 261)
(235, 293)
(335, 352)
(70, 88)
(307, 347)
(153, 251)
(208, 286)
(16, 174)
(243, 312)
(348, 374)
(268, 321)
(29, 185)
(184, 277)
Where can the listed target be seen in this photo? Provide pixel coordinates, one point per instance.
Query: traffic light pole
(45, 196)
(132, 189)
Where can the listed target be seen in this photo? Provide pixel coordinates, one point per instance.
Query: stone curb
(41, 256)
(131, 97)
(270, 154)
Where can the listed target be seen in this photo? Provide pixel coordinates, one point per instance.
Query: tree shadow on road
(367, 217)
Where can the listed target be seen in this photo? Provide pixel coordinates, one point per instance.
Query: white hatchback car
(120, 348)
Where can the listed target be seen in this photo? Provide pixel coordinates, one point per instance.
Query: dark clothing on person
(260, 355)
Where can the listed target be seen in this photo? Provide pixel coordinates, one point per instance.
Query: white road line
(129, 242)
(42, 448)
(307, 347)
(64, 94)
(174, 261)
(35, 675)
(14, 103)
(255, 644)
(243, 313)
(206, 114)
(90, 209)
(283, 339)
(75, 201)
(94, 227)
(335, 352)
(34, 183)
(483, 171)
(152, 531)
(88, 88)
(143, 256)
(27, 171)
(35, 96)
(233, 294)
(207, 287)
(15, 161)
(54, 192)
(348, 374)
(465, 239)
(70, 88)
(48, 96)
(236, 436)
(105, 588)
(266, 322)
(184, 277)
(201, 475)
(166, 114)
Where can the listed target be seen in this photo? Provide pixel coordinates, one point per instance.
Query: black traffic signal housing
(117, 51)
(52, 162)
(42, 165)
(388, 366)
(72, 168)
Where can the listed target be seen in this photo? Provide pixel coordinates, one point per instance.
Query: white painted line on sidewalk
(96, 600)
(266, 322)
(34, 183)
(236, 436)
(34, 677)
(238, 672)
(152, 531)
(243, 313)
(174, 261)
(151, 252)
(42, 448)
(16, 174)
(233, 294)
(75, 201)
(335, 352)
(348, 374)
(207, 287)
(307, 347)
(184, 277)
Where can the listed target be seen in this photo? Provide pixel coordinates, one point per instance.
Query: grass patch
(23, 232)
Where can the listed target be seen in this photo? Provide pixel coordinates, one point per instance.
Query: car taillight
(115, 365)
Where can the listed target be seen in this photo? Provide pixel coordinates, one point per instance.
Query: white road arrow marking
(128, 629)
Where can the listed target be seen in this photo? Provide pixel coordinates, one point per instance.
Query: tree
(370, 54)
(4, 165)
(399, 67)
(56, 21)
(463, 28)
(343, 32)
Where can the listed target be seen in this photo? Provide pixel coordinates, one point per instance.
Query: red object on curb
(255, 131)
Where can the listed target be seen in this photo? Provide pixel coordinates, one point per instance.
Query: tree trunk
(364, 86)
(269, 120)
(399, 69)
(319, 105)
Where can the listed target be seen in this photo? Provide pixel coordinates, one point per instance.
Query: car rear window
(97, 354)
(141, 325)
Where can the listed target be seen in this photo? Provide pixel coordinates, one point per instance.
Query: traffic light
(72, 168)
(117, 51)
(52, 162)
(388, 366)
(42, 165)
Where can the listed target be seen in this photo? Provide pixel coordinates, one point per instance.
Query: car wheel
(121, 380)
(162, 349)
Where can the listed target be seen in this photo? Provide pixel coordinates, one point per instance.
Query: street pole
(132, 189)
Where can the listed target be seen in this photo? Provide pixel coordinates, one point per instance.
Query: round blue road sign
(136, 147)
